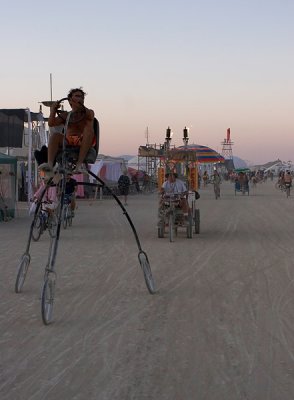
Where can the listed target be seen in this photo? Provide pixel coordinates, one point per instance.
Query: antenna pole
(51, 86)
(147, 136)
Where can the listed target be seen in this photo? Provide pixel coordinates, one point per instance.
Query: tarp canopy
(5, 159)
(12, 125)
(242, 170)
(195, 152)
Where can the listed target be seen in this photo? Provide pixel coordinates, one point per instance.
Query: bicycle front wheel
(22, 272)
(47, 300)
(37, 228)
(144, 262)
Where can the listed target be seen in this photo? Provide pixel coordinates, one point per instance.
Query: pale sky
(208, 65)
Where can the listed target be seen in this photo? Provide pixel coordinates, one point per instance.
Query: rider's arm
(89, 114)
(54, 120)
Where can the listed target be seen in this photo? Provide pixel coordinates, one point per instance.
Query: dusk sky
(208, 65)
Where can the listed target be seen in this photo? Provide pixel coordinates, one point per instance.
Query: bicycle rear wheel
(65, 220)
(144, 262)
(47, 300)
(52, 224)
(69, 216)
(22, 272)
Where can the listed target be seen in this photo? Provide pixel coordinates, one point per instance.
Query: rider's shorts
(76, 141)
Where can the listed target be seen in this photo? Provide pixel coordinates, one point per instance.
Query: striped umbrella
(195, 152)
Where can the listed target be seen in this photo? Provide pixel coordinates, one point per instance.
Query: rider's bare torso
(77, 123)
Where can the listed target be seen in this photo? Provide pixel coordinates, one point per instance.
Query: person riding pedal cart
(175, 186)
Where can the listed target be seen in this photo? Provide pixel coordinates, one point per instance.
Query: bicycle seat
(72, 152)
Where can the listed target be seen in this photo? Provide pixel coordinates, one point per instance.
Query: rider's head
(172, 177)
(76, 95)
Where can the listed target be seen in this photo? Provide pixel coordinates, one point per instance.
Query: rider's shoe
(46, 168)
(79, 169)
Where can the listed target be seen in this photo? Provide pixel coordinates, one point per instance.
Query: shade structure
(195, 153)
(241, 170)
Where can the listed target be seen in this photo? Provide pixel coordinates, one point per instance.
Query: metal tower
(227, 144)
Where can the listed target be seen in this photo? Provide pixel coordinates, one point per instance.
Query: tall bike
(66, 163)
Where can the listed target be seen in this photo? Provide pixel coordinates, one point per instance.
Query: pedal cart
(242, 181)
(171, 218)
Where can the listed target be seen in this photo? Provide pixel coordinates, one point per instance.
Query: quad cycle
(172, 218)
(241, 187)
(284, 187)
(66, 162)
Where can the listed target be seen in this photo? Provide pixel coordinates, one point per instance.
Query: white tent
(109, 168)
(138, 163)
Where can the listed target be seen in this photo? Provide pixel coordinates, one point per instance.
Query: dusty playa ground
(220, 327)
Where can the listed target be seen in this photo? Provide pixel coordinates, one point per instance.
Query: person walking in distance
(124, 186)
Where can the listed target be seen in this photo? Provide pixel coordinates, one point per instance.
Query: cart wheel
(190, 227)
(171, 227)
(161, 229)
(160, 232)
(197, 221)
(22, 271)
(47, 300)
(144, 262)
